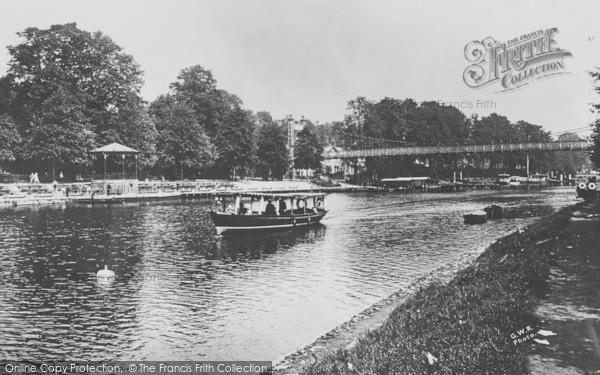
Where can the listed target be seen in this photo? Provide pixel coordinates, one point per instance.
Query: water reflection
(183, 292)
(257, 245)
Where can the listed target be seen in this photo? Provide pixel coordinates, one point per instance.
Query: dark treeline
(406, 122)
(68, 91)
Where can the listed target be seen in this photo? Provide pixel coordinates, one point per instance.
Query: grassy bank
(470, 324)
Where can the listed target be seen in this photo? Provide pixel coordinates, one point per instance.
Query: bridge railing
(485, 148)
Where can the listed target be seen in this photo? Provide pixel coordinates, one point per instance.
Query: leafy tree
(197, 88)
(77, 84)
(273, 155)
(524, 132)
(359, 111)
(308, 153)
(236, 144)
(138, 131)
(182, 142)
(58, 133)
(571, 161)
(7, 95)
(492, 129)
(230, 128)
(10, 140)
(439, 125)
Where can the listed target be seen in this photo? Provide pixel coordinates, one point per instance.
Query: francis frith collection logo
(514, 63)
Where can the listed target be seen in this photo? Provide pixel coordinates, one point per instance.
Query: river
(184, 293)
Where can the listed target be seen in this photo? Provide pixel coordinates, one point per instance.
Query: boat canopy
(279, 203)
(272, 195)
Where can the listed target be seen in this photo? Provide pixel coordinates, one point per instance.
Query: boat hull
(240, 223)
(478, 217)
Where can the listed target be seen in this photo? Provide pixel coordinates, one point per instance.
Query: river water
(184, 293)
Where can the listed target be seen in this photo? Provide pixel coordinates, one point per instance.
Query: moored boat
(587, 186)
(239, 212)
(503, 179)
(475, 217)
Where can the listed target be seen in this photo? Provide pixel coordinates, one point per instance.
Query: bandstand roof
(114, 148)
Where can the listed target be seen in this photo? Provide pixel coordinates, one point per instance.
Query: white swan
(105, 274)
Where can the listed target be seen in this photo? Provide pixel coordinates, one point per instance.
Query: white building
(333, 165)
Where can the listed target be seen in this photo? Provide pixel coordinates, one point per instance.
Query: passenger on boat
(230, 209)
(319, 204)
(282, 207)
(242, 210)
(270, 209)
(301, 207)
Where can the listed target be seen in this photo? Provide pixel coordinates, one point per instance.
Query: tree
(138, 131)
(220, 114)
(10, 140)
(236, 144)
(58, 133)
(197, 88)
(272, 153)
(7, 95)
(79, 84)
(308, 153)
(526, 132)
(571, 161)
(182, 142)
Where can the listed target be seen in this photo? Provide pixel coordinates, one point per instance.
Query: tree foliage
(272, 153)
(68, 90)
(182, 142)
(197, 88)
(72, 90)
(394, 122)
(572, 161)
(236, 144)
(58, 131)
(137, 130)
(10, 139)
(308, 153)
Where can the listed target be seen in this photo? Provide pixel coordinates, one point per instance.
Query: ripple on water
(182, 292)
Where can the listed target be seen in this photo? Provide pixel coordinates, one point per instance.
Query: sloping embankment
(481, 322)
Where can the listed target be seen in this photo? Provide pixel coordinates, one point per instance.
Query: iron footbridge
(466, 149)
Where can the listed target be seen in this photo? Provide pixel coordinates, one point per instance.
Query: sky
(309, 58)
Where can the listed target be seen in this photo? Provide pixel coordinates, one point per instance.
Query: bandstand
(121, 183)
